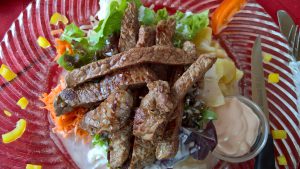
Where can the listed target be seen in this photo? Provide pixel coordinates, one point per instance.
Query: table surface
(9, 10)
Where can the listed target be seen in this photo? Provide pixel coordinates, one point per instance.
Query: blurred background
(10, 9)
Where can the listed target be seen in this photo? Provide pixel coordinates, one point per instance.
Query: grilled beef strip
(165, 31)
(146, 36)
(120, 143)
(129, 28)
(151, 117)
(168, 146)
(143, 153)
(111, 115)
(192, 75)
(154, 54)
(91, 93)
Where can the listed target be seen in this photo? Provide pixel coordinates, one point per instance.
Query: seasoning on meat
(190, 48)
(169, 144)
(143, 154)
(146, 36)
(91, 93)
(111, 115)
(165, 30)
(129, 28)
(120, 143)
(151, 117)
(155, 54)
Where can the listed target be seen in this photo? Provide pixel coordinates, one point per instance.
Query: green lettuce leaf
(100, 140)
(189, 24)
(146, 16)
(72, 33)
(162, 14)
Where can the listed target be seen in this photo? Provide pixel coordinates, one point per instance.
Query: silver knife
(266, 158)
(259, 95)
(285, 22)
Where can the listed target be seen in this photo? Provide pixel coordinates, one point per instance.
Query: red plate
(37, 73)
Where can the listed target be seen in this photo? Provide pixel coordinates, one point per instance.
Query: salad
(145, 87)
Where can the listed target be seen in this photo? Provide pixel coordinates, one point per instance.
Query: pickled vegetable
(23, 102)
(6, 73)
(43, 42)
(33, 166)
(15, 133)
(57, 17)
(281, 160)
(279, 134)
(7, 113)
(273, 78)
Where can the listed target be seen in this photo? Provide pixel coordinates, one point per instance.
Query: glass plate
(38, 73)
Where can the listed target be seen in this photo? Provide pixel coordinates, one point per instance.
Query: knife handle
(266, 158)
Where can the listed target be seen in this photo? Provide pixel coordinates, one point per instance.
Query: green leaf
(99, 140)
(162, 14)
(61, 61)
(109, 25)
(146, 16)
(189, 24)
(72, 32)
(209, 115)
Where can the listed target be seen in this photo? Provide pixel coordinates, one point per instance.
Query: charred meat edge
(91, 93)
(155, 54)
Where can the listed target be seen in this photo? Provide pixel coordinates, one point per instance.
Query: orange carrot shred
(68, 122)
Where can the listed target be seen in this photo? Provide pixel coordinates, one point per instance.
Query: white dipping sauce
(237, 127)
(84, 154)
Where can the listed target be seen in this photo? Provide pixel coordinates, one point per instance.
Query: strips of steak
(129, 28)
(193, 74)
(165, 31)
(120, 143)
(143, 154)
(151, 117)
(91, 93)
(155, 54)
(146, 36)
(168, 146)
(111, 115)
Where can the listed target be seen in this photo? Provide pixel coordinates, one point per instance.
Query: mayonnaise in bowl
(242, 130)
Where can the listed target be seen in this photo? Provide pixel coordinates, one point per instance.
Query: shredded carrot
(56, 32)
(68, 122)
(62, 47)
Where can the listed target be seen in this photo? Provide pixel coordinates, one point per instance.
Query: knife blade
(259, 95)
(266, 158)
